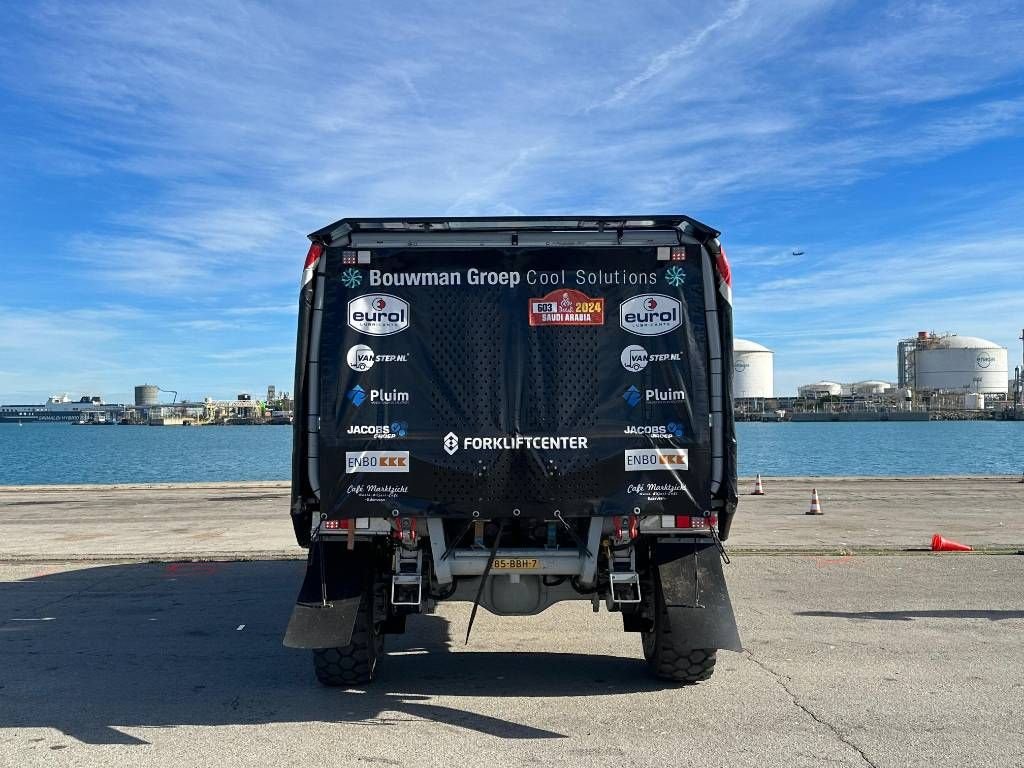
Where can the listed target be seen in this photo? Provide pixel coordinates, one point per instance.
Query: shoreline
(277, 484)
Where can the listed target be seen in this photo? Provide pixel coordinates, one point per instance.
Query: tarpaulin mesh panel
(459, 364)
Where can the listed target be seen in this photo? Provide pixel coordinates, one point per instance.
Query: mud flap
(316, 624)
(696, 597)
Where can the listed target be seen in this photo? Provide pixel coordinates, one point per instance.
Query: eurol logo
(650, 314)
(378, 314)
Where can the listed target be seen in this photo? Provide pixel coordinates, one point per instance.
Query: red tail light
(315, 252)
(336, 525)
(723, 267)
(696, 523)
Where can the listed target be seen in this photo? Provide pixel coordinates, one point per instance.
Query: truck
(514, 412)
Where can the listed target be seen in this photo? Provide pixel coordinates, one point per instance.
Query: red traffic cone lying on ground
(815, 504)
(758, 487)
(940, 544)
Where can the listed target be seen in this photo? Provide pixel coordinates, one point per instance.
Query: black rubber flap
(343, 580)
(696, 597)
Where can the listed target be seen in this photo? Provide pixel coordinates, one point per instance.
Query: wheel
(665, 658)
(355, 663)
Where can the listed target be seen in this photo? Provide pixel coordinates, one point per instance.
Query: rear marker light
(336, 525)
(315, 252)
(688, 522)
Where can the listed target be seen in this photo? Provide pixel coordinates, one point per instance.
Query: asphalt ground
(874, 660)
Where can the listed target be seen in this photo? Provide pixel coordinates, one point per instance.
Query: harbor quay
(250, 520)
(142, 623)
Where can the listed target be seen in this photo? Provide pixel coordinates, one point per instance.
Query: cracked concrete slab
(884, 661)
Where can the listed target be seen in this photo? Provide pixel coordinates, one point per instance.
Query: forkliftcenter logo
(357, 396)
(452, 443)
(657, 458)
(650, 314)
(566, 306)
(378, 314)
(361, 358)
(635, 358)
(376, 461)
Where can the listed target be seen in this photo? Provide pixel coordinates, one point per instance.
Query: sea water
(65, 453)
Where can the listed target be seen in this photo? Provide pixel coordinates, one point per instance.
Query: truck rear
(514, 412)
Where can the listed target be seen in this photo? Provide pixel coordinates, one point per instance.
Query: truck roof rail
(424, 224)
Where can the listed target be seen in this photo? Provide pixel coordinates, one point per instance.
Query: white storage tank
(821, 389)
(974, 401)
(965, 363)
(870, 387)
(754, 369)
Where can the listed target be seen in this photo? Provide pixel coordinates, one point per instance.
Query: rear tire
(661, 649)
(355, 663)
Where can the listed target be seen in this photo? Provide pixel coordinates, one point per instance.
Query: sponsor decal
(635, 358)
(376, 491)
(382, 432)
(376, 461)
(633, 396)
(985, 360)
(642, 459)
(357, 396)
(671, 430)
(452, 443)
(675, 276)
(650, 314)
(378, 314)
(566, 306)
(351, 278)
(581, 278)
(361, 358)
(655, 491)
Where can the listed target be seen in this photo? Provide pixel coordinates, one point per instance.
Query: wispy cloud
(179, 154)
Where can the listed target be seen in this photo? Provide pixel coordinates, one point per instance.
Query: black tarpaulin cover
(456, 380)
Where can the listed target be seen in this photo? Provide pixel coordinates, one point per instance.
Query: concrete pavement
(850, 661)
(250, 520)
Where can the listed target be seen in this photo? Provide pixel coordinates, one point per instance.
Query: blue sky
(162, 163)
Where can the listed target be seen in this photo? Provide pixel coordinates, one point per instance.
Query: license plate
(516, 564)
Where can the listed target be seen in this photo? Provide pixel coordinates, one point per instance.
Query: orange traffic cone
(815, 504)
(758, 487)
(940, 544)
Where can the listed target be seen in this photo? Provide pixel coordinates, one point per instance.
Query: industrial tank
(965, 363)
(147, 394)
(820, 389)
(873, 387)
(754, 370)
